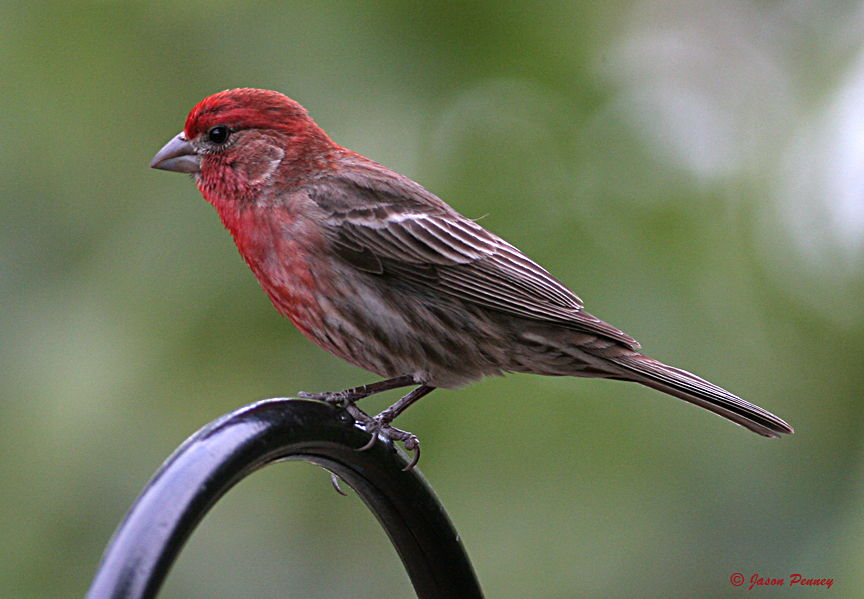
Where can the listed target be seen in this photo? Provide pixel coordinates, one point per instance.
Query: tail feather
(691, 388)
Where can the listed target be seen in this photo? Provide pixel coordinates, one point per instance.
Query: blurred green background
(693, 170)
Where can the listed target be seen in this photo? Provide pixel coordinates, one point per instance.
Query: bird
(380, 272)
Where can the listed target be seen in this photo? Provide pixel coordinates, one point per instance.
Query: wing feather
(417, 238)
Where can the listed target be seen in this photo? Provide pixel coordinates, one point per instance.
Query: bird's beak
(178, 155)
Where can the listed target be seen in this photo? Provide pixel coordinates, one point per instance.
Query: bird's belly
(389, 328)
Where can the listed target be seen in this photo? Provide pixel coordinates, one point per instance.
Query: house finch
(378, 271)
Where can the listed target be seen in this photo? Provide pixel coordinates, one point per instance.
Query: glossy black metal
(230, 448)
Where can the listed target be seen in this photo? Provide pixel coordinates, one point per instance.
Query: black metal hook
(230, 448)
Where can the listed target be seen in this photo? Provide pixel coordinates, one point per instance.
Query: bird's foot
(379, 426)
(339, 399)
(343, 399)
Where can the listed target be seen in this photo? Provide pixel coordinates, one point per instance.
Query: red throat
(272, 244)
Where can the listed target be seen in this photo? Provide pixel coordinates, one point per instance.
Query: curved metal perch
(221, 454)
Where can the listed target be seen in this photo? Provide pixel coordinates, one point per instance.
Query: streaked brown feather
(407, 237)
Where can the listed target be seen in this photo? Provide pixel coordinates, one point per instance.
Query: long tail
(689, 387)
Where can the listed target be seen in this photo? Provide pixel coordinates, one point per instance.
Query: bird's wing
(413, 236)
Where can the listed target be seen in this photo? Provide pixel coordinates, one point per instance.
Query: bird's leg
(380, 425)
(348, 397)
(391, 413)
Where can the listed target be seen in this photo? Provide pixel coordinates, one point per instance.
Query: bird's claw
(377, 426)
(335, 480)
(412, 444)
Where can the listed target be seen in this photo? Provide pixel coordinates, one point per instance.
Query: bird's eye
(219, 134)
